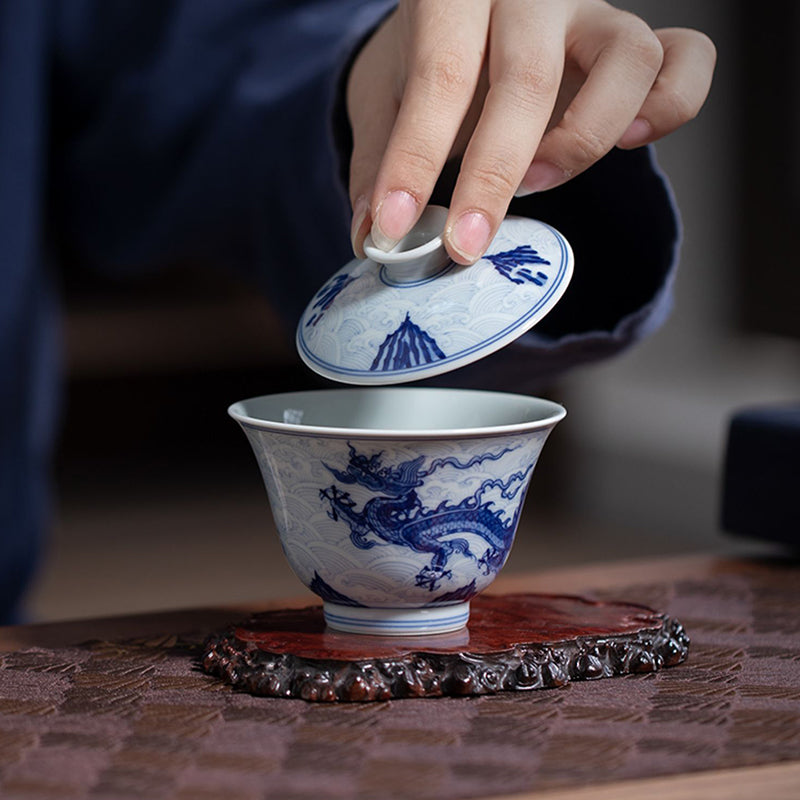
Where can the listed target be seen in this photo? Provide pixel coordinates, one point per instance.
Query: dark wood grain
(513, 643)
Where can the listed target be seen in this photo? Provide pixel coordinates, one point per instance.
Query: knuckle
(641, 44)
(417, 158)
(495, 178)
(704, 45)
(707, 45)
(531, 83)
(444, 73)
(693, 39)
(679, 107)
(587, 146)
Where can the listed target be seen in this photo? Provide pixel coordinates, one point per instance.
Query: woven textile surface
(136, 718)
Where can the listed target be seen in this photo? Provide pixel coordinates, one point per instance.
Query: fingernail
(541, 175)
(393, 219)
(360, 208)
(639, 132)
(470, 235)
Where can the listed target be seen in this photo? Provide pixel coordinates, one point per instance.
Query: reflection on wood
(513, 643)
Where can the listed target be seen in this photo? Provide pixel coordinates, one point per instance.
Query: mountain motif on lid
(408, 346)
(324, 298)
(511, 264)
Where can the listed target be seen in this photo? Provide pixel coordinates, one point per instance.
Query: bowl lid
(412, 312)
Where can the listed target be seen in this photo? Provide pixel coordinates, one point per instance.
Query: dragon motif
(397, 516)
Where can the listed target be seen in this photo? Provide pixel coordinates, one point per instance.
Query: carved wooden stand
(513, 643)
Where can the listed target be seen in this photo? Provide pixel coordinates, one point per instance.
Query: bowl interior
(404, 410)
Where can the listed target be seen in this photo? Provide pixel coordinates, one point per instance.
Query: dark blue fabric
(27, 344)
(620, 219)
(136, 135)
(199, 131)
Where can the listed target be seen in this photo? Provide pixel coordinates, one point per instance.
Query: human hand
(529, 92)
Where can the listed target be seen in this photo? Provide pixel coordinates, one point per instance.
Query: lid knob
(419, 254)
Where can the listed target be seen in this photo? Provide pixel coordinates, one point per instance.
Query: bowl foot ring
(517, 642)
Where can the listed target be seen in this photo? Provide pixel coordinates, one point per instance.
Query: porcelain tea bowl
(396, 505)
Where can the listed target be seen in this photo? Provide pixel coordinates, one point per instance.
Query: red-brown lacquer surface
(496, 624)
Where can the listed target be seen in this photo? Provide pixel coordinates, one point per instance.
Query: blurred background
(160, 504)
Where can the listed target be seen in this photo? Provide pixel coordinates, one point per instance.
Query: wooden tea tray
(514, 642)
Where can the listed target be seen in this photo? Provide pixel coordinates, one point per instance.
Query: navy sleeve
(621, 220)
(198, 132)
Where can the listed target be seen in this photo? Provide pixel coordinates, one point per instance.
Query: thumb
(372, 107)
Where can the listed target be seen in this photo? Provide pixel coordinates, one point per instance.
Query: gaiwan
(398, 505)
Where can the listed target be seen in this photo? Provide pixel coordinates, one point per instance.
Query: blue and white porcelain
(396, 505)
(412, 312)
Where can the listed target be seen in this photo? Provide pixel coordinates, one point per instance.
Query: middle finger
(526, 59)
